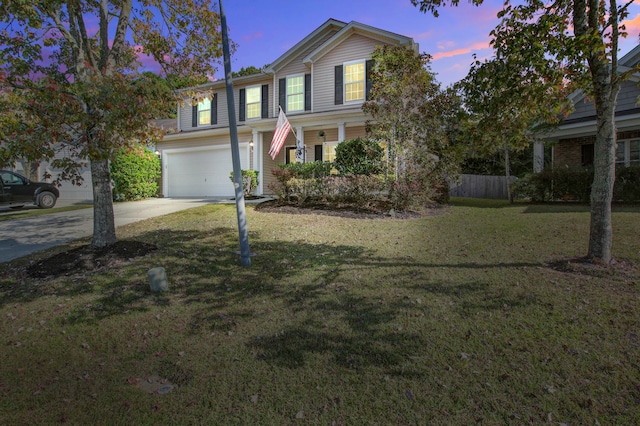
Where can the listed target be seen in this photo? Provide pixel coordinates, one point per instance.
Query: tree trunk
(507, 171)
(604, 165)
(104, 228)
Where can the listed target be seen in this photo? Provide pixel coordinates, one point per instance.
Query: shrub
(575, 184)
(135, 173)
(627, 186)
(249, 179)
(359, 157)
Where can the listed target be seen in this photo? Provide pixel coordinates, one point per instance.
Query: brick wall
(568, 152)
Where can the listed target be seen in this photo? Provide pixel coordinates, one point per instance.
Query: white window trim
(286, 93)
(627, 151)
(246, 101)
(344, 81)
(200, 110)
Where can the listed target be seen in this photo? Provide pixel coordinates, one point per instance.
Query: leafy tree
(506, 107)
(359, 157)
(154, 86)
(579, 41)
(250, 70)
(408, 107)
(71, 66)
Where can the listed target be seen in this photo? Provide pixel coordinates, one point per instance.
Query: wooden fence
(479, 186)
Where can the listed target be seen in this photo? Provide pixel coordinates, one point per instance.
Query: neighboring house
(575, 137)
(320, 83)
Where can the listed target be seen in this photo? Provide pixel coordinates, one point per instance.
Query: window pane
(620, 152)
(253, 111)
(354, 72)
(354, 82)
(253, 95)
(204, 112)
(295, 85)
(354, 91)
(634, 151)
(204, 117)
(295, 103)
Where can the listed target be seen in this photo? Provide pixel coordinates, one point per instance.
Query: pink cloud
(251, 37)
(633, 25)
(423, 36)
(461, 51)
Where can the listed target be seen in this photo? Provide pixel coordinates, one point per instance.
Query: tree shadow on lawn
(327, 311)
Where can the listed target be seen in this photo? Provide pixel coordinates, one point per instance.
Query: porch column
(300, 151)
(256, 157)
(342, 132)
(538, 157)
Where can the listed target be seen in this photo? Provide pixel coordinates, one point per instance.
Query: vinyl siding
(354, 48)
(296, 66)
(627, 99)
(186, 110)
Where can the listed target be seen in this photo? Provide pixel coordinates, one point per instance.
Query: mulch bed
(86, 258)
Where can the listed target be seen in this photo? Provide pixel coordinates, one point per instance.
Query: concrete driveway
(20, 237)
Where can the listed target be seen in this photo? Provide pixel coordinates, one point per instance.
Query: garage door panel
(199, 173)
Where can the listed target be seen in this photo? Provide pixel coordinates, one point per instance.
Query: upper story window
(354, 81)
(204, 112)
(295, 93)
(253, 102)
(628, 152)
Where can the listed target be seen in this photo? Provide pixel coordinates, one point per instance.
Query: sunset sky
(264, 30)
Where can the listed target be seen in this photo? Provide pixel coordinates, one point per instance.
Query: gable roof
(331, 34)
(326, 30)
(625, 63)
(362, 29)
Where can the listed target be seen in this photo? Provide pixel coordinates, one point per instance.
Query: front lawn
(474, 315)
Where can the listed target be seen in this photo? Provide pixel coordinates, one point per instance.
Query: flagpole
(245, 253)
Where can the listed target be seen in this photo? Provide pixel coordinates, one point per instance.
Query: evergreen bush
(135, 173)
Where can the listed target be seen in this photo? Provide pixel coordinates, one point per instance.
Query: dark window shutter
(368, 82)
(194, 115)
(242, 109)
(318, 154)
(282, 93)
(214, 109)
(307, 92)
(338, 86)
(265, 101)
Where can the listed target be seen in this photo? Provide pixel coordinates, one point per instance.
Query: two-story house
(320, 83)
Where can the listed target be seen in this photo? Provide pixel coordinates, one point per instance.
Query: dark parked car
(17, 190)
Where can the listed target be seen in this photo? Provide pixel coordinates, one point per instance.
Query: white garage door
(199, 173)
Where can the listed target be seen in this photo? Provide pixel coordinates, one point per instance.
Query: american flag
(282, 131)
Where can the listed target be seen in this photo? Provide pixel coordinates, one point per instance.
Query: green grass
(449, 319)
